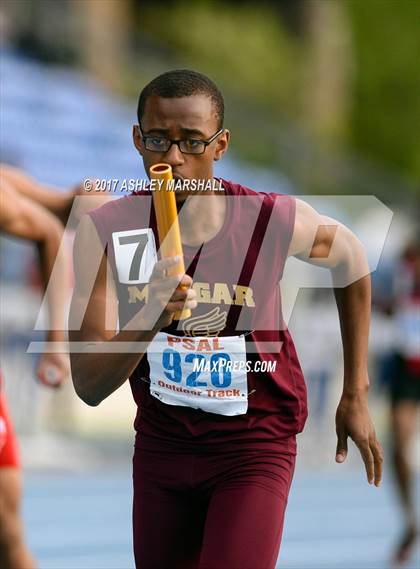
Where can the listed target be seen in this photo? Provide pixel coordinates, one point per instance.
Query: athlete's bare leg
(404, 416)
(13, 550)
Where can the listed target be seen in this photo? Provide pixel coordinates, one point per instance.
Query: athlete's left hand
(353, 420)
(53, 369)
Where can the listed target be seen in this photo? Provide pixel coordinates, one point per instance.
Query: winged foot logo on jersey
(209, 324)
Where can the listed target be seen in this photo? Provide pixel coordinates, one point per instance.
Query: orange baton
(168, 224)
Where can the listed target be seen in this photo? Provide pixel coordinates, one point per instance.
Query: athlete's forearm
(53, 270)
(100, 369)
(354, 306)
(53, 199)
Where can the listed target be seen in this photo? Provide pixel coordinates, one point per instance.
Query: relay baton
(167, 223)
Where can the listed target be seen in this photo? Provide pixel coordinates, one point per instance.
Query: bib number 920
(218, 365)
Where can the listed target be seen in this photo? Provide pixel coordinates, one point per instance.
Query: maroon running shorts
(209, 510)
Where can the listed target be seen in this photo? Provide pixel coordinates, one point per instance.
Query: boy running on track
(215, 436)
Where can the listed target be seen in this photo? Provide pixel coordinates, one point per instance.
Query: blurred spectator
(400, 369)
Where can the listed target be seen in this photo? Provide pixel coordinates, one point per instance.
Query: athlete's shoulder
(234, 188)
(118, 205)
(125, 213)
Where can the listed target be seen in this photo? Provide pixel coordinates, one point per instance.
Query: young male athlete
(220, 394)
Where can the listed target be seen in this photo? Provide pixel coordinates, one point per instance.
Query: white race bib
(207, 373)
(135, 255)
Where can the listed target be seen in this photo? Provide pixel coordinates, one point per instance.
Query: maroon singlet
(251, 248)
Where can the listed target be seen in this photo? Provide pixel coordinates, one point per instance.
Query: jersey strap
(251, 257)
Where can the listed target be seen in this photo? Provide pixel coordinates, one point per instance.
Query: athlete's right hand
(167, 295)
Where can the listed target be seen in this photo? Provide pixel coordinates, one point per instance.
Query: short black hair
(182, 83)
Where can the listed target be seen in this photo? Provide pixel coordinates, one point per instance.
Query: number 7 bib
(207, 373)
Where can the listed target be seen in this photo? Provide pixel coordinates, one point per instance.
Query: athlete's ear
(222, 144)
(137, 139)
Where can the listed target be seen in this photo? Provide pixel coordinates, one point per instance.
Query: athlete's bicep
(93, 310)
(318, 239)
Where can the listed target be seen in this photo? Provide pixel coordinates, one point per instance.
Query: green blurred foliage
(249, 54)
(244, 48)
(261, 66)
(385, 120)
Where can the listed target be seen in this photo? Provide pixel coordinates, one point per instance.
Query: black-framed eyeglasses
(186, 146)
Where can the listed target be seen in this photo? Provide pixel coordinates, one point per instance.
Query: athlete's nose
(174, 156)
